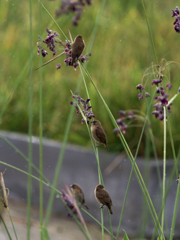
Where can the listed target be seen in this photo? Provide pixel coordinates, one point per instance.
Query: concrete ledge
(80, 166)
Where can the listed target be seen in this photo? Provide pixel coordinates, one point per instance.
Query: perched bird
(98, 133)
(78, 194)
(103, 197)
(77, 48)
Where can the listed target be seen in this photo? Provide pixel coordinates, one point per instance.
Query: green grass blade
(150, 34)
(12, 223)
(130, 156)
(5, 227)
(30, 123)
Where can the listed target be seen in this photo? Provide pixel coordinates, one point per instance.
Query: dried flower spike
(72, 51)
(175, 13)
(121, 122)
(82, 104)
(75, 7)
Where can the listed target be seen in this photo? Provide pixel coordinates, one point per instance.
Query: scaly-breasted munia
(77, 48)
(98, 133)
(78, 194)
(103, 197)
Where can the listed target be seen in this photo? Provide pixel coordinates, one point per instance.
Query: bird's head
(95, 122)
(74, 186)
(100, 186)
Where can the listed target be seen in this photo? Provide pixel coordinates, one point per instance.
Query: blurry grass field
(120, 55)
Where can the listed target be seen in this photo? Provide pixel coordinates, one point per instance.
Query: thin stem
(24, 157)
(172, 143)
(12, 223)
(30, 117)
(97, 221)
(129, 154)
(40, 138)
(110, 224)
(52, 19)
(5, 227)
(164, 172)
(102, 224)
(175, 212)
(70, 117)
(150, 34)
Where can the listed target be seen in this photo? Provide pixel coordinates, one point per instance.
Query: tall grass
(95, 86)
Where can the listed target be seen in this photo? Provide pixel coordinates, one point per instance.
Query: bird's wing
(104, 195)
(101, 134)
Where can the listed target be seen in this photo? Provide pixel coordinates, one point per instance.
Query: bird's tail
(110, 210)
(86, 206)
(107, 147)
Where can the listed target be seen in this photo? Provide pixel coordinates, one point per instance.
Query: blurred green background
(121, 53)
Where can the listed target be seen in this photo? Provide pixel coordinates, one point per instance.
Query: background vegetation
(120, 55)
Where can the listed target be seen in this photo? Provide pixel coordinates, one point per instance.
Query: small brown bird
(77, 48)
(103, 197)
(78, 194)
(98, 133)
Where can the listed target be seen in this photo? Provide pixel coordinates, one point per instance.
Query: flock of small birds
(98, 135)
(101, 195)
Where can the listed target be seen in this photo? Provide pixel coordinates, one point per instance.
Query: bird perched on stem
(103, 197)
(98, 133)
(77, 48)
(78, 194)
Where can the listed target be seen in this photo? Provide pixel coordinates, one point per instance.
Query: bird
(103, 197)
(98, 133)
(78, 194)
(77, 48)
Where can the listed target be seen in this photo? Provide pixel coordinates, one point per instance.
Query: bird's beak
(92, 121)
(70, 186)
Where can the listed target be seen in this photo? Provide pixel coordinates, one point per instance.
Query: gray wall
(80, 166)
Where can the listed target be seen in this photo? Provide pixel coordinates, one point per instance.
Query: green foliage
(125, 236)
(120, 55)
(45, 233)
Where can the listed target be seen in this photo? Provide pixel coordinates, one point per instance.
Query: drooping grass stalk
(129, 181)
(12, 224)
(5, 227)
(164, 173)
(129, 154)
(30, 117)
(32, 176)
(127, 189)
(97, 222)
(146, 121)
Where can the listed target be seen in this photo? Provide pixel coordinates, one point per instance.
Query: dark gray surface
(80, 166)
